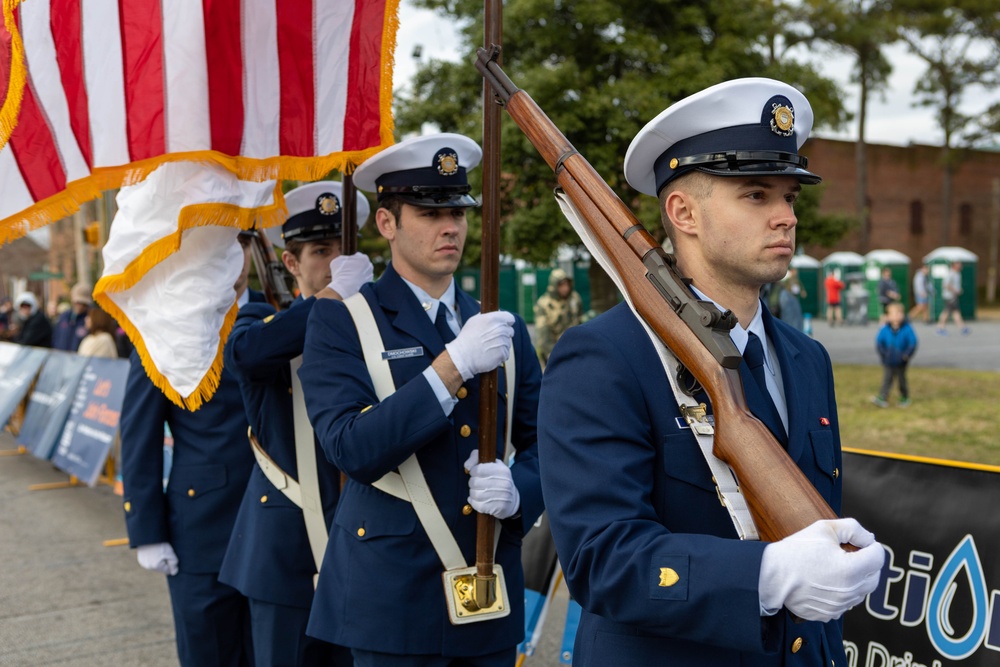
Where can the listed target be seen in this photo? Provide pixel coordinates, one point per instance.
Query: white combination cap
(737, 128)
(429, 170)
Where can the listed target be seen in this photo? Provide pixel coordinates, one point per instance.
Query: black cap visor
(432, 196)
(746, 163)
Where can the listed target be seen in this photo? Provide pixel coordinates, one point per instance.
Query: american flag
(98, 93)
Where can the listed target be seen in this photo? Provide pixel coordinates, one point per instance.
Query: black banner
(938, 602)
(19, 365)
(50, 402)
(93, 419)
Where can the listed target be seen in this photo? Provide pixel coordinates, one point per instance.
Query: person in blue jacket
(269, 558)
(381, 590)
(70, 328)
(896, 343)
(647, 549)
(183, 531)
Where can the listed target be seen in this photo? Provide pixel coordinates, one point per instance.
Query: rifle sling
(726, 484)
(409, 483)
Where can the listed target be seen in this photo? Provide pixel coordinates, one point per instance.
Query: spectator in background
(35, 328)
(951, 290)
(923, 290)
(6, 317)
(888, 292)
(896, 342)
(101, 339)
(70, 328)
(834, 286)
(789, 305)
(555, 311)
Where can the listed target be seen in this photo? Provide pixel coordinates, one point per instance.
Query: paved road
(979, 350)
(65, 599)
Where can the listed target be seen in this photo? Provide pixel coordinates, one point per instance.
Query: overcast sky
(891, 121)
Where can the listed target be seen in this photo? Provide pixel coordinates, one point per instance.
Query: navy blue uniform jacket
(269, 557)
(628, 493)
(211, 466)
(380, 588)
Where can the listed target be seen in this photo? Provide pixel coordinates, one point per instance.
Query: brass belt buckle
(472, 598)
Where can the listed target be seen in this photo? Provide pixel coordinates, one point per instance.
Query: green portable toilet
(469, 281)
(841, 263)
(528, 291)
(809, 269)
(939, 260)
(899, 268)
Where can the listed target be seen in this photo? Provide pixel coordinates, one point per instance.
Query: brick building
(905, 185)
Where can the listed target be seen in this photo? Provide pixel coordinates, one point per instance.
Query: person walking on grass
(896, 343)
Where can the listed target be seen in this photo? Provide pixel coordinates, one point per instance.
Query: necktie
(441, 324)
(753, 355)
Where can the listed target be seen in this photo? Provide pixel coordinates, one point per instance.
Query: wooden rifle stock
(780, 498)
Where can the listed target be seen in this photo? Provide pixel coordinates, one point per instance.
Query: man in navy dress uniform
(183, 531)
(646, 547)
(269, 557)
(380, 589)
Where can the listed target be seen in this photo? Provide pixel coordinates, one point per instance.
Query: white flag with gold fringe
(171, 261)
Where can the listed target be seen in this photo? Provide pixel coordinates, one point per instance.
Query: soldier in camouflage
(555, 311)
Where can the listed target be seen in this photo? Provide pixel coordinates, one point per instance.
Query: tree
(945, 37)
(600, 69)
(859, 28)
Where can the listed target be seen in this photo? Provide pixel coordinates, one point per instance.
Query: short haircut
(695, 183)
(393, 204)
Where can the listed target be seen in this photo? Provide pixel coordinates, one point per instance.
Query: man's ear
(386, 223)
(291, 263)
(682, 211)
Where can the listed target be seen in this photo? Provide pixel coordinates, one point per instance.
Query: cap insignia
(782, 119)
(447, 164)
(327, 204)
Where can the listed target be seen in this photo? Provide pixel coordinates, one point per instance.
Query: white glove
(813, 577)
(482, 344)
(349, 272)
(491, 488)
(158, 557)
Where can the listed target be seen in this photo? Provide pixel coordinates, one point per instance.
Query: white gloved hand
(482, 344)
(813, 577)
(158, 557)
(491, 488)
(349, 272)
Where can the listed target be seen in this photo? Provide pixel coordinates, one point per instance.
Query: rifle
(779, 497)
(271, 272)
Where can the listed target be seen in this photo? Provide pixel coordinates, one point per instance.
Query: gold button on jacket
(797, 644)
(462, 392)
(465, 431)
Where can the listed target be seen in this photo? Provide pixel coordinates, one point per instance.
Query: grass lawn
(954, 414)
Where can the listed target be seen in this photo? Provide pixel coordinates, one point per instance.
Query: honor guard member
(183, 531)
(647, 548)
(270, 559)
(381, 590)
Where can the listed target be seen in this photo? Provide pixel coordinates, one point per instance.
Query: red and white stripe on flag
(97, 94)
